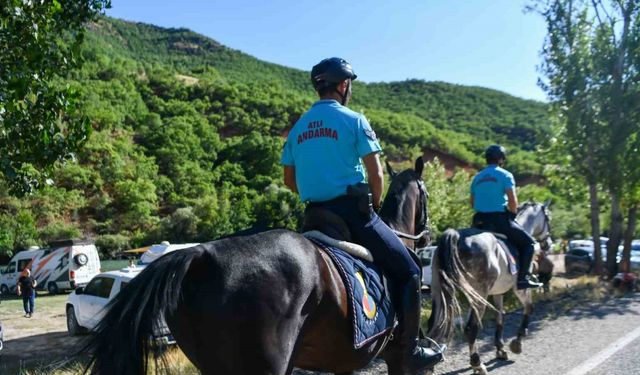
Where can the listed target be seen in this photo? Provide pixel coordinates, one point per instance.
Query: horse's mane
(394, 197)
(527, 204)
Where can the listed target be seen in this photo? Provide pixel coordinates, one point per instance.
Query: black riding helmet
(328, 73)
(494, 153)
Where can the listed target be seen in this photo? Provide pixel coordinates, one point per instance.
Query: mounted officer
(494, 199)
(325, 158)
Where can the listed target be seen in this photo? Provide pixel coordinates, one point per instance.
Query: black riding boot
(524, 277)
(416, 358)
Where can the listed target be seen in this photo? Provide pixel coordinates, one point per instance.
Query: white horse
(473, 262)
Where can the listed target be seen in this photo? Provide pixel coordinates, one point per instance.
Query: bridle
(422, 221)
(545, 233)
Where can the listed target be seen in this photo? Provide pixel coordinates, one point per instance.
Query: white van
(12, 272)
(64, 265)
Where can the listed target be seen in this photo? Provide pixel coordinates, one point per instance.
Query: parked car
(580, 255)
(86, 305)
(64, 265)
(425, 254)
(578, 260)
(635, 254)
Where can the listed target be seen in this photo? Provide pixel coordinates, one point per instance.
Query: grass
(45, 304)
(176, 363)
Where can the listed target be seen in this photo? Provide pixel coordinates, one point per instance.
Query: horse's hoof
(480, 370)
(515, 346)
(502, 354)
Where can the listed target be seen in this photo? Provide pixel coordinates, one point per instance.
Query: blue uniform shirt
(325, 147)
(489, 188)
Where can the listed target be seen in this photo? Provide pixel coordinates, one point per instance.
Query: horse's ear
(547, 203)
(390, 170)
(419, 166)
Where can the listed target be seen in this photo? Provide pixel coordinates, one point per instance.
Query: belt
(338, 199)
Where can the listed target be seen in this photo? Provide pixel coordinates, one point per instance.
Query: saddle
(333, 226)
(370, 308)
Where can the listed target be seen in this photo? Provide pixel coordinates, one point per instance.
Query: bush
(58, 231)
(111, 245)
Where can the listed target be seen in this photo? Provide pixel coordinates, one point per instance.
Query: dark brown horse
(252, 304)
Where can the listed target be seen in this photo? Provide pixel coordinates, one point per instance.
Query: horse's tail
(449, 276)
(124, 338)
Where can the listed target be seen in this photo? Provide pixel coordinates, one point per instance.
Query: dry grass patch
(176, 363)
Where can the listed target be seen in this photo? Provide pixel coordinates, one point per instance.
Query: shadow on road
(609, 306)
(491, 365)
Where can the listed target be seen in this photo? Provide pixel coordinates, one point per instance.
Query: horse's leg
(525, 298)
(500, 352)
(471, 333)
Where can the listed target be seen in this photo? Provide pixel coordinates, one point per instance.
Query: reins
(546, 227)
(410, 237)
(423, 223)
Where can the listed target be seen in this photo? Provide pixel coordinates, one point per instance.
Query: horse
(263, 303)
(536, 219)
(472, 262)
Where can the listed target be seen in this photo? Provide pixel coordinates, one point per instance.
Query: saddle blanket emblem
(370, 308)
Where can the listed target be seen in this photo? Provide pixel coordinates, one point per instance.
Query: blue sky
(489, 43)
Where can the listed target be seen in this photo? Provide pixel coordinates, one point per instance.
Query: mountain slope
(473, 116)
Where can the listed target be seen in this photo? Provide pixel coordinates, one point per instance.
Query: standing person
(26, 288)
(494, 199)
(325, 158)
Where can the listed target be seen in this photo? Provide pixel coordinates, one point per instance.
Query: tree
(616, 53)
(39, 124)
(632, 196)
(567, 66)
(591, 63)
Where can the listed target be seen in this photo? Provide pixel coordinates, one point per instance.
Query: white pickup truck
(85, 305)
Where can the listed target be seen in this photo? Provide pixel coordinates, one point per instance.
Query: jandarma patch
(317, 133)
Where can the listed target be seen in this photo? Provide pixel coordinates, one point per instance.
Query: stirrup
(527, 284)
(438, 348)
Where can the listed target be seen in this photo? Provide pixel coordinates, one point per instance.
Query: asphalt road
(591, 338)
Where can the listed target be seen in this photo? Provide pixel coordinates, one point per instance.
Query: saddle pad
(371, 312)
(512, 253)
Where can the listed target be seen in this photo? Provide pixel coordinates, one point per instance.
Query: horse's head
(535, 218)
(405, 207)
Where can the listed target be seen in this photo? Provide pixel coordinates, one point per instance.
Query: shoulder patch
(370, 134)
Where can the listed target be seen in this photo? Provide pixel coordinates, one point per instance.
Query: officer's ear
(342, 86)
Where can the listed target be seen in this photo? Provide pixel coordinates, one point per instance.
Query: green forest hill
(187, 136)
(451, 118)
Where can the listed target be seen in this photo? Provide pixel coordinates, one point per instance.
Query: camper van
(64, 265)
